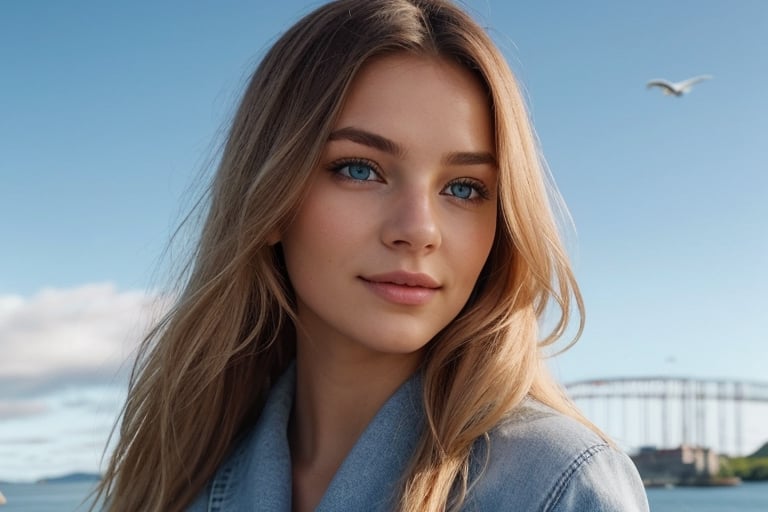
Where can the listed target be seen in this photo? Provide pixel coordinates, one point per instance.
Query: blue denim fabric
(536, 460)
(539, 459)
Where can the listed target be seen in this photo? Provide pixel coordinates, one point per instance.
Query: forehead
(413, 95)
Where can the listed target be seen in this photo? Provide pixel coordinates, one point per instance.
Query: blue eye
(357, 171)
(461, 190)
(467, 190)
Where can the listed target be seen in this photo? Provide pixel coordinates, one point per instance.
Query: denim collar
(258, 474)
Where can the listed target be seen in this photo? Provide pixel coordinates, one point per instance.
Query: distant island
(71, 478)
(63, 479)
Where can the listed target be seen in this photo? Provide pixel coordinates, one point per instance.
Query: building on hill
(684, 465)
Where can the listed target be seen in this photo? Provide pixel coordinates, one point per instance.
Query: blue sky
(109, 114)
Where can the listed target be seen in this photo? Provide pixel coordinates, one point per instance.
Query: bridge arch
(727, 415)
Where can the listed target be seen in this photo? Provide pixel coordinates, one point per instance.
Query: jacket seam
(218, 489)
(565, 478)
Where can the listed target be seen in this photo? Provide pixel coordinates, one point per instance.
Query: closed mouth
(410, 279)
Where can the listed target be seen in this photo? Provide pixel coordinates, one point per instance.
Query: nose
(412, 223)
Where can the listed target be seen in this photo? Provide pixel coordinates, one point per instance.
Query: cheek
(325, 230)
(472, 241)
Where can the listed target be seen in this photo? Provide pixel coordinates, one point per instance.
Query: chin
(399, 345)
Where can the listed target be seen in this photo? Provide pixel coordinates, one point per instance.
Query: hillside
(761, 452)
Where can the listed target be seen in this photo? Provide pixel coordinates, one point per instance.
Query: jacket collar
(259, 472)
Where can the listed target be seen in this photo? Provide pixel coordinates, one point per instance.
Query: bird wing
(686, 85)
(667, 87)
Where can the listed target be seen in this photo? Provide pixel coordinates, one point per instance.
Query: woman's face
(401, 213)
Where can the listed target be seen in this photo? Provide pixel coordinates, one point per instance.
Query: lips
(405, 279)
(404, 288)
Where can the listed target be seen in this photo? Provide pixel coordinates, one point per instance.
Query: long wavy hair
(204, 371)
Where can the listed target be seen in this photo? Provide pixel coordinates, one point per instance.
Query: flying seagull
(677, 88)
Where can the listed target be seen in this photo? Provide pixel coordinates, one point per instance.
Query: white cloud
(61, 337)
(19, 409)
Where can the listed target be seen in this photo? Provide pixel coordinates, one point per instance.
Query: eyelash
(479, 187)
(337, 167)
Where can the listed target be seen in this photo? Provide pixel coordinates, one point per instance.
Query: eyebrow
(386, 145)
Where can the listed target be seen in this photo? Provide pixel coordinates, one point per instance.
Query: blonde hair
(203, 373)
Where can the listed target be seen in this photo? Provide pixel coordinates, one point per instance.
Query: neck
(337, 395)
(338, 392)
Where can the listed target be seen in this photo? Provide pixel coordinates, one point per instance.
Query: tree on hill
(753, 467)
(761, 452)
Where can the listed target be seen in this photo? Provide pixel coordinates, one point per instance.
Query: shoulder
(539, 459)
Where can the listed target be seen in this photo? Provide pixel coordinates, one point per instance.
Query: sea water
(747, 497)
(52, 497)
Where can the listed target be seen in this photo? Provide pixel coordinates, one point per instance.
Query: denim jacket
(536, 460)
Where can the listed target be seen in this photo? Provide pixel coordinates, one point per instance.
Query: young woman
(359, 326)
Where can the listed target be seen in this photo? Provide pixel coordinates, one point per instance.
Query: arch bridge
(730, 416)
